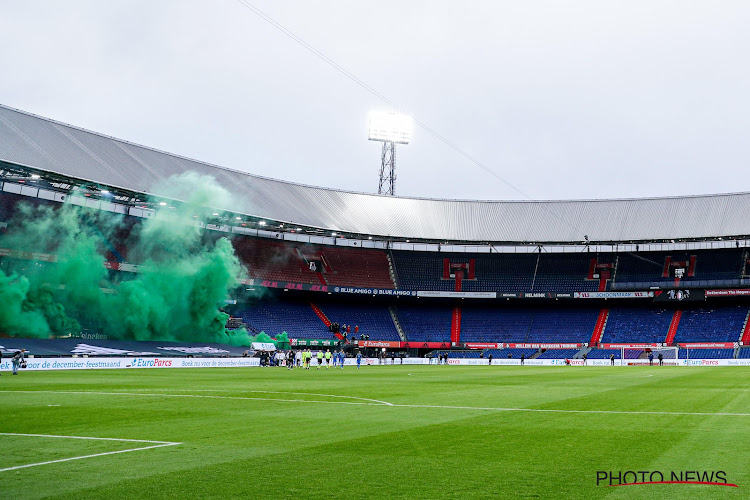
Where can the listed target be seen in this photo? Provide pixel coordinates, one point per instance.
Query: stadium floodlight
(390, 128)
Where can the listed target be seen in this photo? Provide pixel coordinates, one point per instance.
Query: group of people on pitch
(304, 359)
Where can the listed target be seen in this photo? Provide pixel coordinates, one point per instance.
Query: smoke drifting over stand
(185, 273)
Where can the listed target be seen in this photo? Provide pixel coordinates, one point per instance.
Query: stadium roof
(46, 145)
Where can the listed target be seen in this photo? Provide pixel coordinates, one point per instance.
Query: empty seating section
(361, 268)
(558, 272)
(514, 353)
(744, 353)
(273, 260)
(527, 325)
(425, 324)
(712, 268)
(297, 319)
(558, 354)
(496, 272)
(421, 271)
(634, 325)
(373, 320)
(605, 353)
(460, 354)
(8, 204)
(287, 261)
(563, 325)
(495, 325)
(707, 353)
(721, 324)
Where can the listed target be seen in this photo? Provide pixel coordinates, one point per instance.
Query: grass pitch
(382, 431)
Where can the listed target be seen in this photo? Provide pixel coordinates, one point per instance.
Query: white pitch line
(85, 437)
(396, 405)
(325, 395)
(160, 444)
(257, 392)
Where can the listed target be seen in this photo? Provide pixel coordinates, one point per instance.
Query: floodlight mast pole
(387, 183)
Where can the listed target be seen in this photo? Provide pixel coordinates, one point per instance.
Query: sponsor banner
(122, 266)
(727, 293)
(287, 285)
(679, 295)
(43, 364)
(709, 345)
(263, 346)
(375, 291)
(312, 343)
(38, 364)
(645, 362)
(540, 346)
(620, 346)
(426, 345)
(18, 254)
(377, 343)
(612, 295)
(476, 345)
(534, 295)
(463, 295)
(704, 362)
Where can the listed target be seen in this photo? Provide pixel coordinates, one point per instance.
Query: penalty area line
(159, 444)
(397, 405)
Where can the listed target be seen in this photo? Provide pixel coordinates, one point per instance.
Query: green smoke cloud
(185, 273)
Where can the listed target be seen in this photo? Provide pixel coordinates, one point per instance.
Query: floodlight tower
(390, 128)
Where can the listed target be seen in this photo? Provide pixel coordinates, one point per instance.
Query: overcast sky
(582, 99)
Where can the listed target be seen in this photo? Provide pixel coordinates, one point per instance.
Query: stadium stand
(537, 325)
(361, 268)
(707, 353)
(373, 320)
(460, 354)
(425, 323)
(605, 353)
(558, 354)
(496, 272)
(702, 268)
(514, 353)
(720, 324)
(273, 260)
(285, 261)
(634, 325)
(297, 319)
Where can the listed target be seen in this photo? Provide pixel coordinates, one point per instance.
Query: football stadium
(180, 329)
